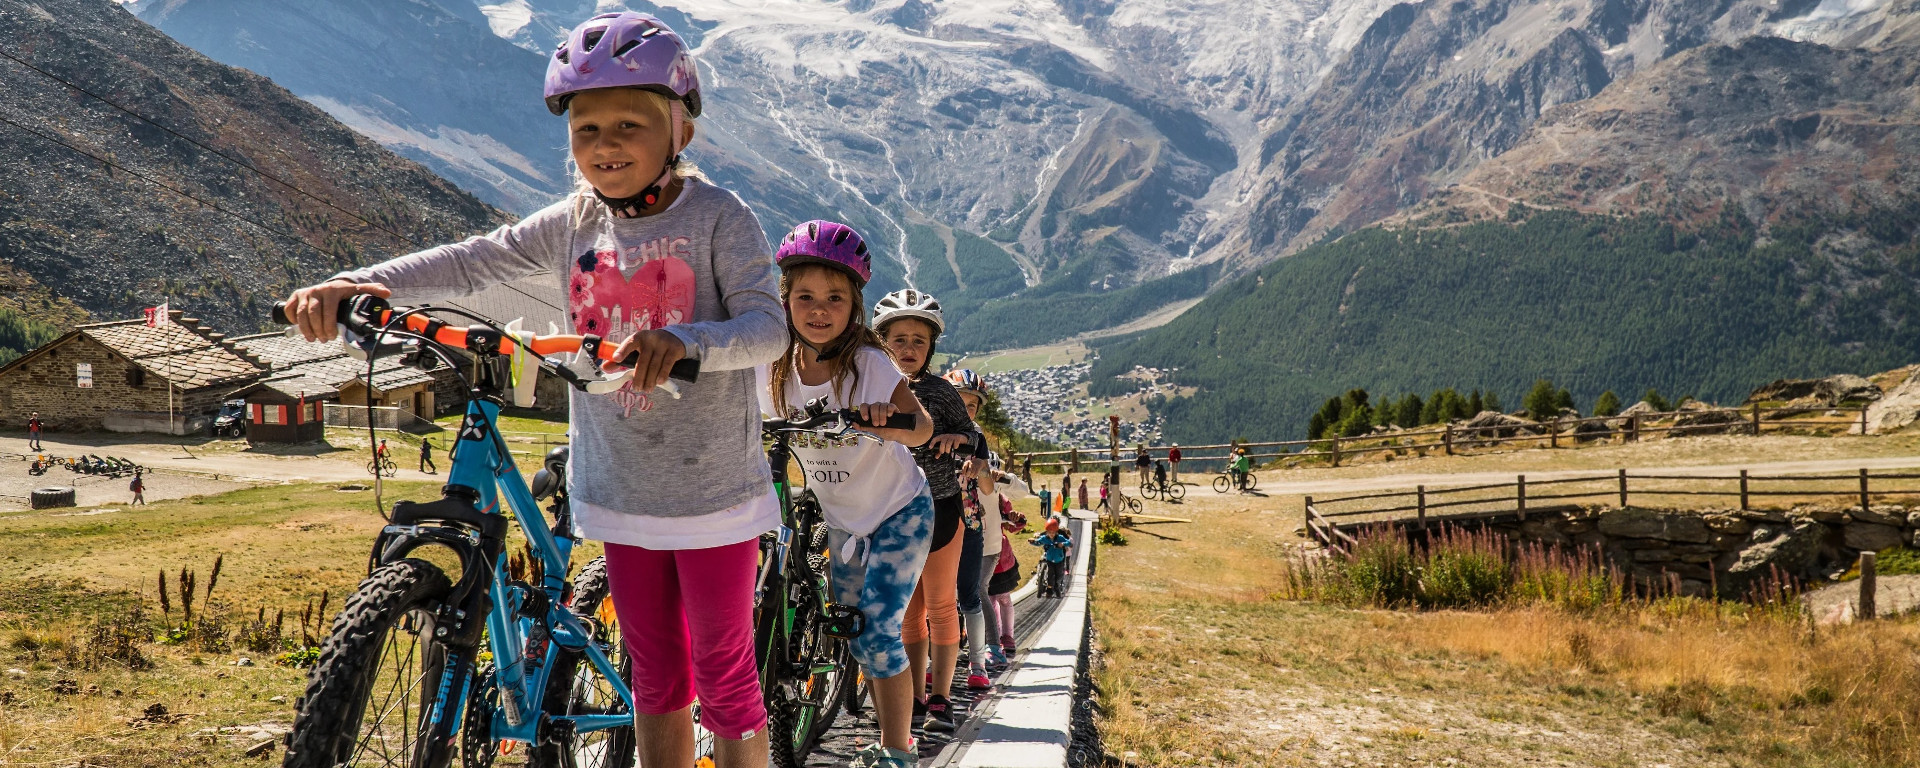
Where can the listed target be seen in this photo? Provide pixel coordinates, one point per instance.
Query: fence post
(1623, 488)
(1756, 426)
(1448, 438)
(1863, 420)
(1553, 432)
(1306, 516)
(1743, 491)
(1420, 492)
(1863, 489)
(1869, 579)
(1521, 496)
(1633, 428)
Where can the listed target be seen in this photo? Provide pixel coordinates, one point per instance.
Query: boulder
(1871, 537)
(1830, 391)
(1491, 424)
(1697, 418)
(1638, 409)
(1896, 409)
(1792, 549)
(1591, 430)
(1647, 524)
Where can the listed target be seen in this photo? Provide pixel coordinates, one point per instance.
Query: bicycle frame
(482, 474)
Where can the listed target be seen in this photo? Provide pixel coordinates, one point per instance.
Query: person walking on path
(1083, 494)
(139, 488)
(426, 457)
(1046, 500)
(33, 432)
(1103, 495)
(1142, 461)
(1173, 464)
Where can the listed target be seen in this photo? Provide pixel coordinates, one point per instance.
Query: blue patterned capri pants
(879, 580)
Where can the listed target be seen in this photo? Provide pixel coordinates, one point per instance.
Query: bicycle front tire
(382, 644)
(1222, 484)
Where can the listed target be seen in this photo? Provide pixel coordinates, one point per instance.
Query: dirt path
(1276, 482)
(226, 460)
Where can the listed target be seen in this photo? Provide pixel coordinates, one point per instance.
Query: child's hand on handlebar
(653, 354)
(876, 413)
(315, 309)
(944, 444)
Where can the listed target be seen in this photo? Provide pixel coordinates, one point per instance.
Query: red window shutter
(253, 412)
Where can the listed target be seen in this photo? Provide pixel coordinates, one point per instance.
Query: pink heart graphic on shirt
(605, 304)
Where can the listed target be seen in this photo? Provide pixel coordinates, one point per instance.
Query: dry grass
(1202, 666)
(281, 546)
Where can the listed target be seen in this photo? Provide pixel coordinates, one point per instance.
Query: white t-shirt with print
(860, 482)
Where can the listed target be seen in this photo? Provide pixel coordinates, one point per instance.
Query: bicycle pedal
(844, 621)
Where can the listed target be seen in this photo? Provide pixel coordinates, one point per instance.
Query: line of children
(651, 253)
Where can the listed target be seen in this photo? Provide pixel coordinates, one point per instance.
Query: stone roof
(322, 368)
(182, 352)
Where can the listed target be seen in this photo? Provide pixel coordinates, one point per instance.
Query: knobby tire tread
(326, 727)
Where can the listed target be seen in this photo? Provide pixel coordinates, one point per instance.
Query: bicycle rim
(400, 696)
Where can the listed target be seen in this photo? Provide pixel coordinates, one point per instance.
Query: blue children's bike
(430, 662)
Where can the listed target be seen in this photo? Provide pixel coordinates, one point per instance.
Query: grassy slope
(1592, 302)
(1203, 665)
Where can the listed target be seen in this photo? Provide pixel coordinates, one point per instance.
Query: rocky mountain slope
(87, 221)
(1083, 137)
(1727, 215)
(1434, 90)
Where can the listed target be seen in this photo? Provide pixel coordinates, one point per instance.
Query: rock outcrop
(1830, 391)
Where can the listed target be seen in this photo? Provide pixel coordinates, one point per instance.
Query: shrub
(1382, 570)
(1464, 569)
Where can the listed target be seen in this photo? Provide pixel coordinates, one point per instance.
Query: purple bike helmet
(826, 242)
(623, 50)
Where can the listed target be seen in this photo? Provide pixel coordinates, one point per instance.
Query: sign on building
(83, 374)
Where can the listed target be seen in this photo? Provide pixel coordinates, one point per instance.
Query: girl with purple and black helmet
(873, 496)
(654, 257)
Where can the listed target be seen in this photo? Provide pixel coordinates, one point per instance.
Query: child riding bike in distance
(872, 495)
(652, 255)
(1056, 545)
(909, 323)
(986, 497)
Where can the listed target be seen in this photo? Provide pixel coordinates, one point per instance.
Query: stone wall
(48, 384)
(1727, 549)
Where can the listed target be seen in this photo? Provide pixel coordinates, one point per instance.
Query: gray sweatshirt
(703, 272)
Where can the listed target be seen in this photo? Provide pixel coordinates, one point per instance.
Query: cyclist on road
(909, 322)
(1160, 476)
(879, 515)
(380, 451)
(652, 255)
(1242, 466)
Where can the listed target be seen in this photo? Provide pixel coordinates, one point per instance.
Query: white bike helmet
(908, 303)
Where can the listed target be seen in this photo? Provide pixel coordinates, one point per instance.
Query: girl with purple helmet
(872, 494)
(652, 256)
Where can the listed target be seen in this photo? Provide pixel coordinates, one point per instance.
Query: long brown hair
(851, 339)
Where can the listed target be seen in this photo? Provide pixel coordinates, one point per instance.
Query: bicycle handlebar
(831, 418)
(363, 315)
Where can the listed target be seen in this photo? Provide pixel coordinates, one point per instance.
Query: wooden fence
(1453, 438)
(1423, 506)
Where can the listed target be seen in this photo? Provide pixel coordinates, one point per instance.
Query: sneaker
(1007, 646)
(876, 756)
(919, 712)
(996, 659)
(977, 680)
(939, 714)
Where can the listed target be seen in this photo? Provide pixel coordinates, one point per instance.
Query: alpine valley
(1320, 194)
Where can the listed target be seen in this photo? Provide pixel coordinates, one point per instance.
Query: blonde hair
(851, 339)
(584, 201)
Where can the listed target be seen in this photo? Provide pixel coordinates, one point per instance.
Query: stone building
(126, 376)
(307, 375)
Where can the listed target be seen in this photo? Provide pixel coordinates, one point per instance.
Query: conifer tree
(1607, 405)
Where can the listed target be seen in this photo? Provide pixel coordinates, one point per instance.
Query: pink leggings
(687, 618)
(1005, 602)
